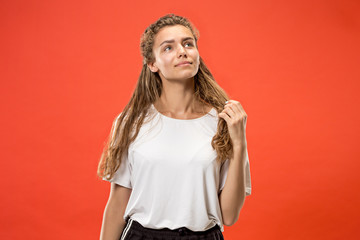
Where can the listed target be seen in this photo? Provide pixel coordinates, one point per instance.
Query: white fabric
(172, 170)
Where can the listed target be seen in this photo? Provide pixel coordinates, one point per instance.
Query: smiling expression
(175, 52)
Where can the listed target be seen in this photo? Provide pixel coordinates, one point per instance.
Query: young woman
(177, 154)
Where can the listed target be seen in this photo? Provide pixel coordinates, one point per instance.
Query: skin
(232, 197)
(113, 222)
(173, 45)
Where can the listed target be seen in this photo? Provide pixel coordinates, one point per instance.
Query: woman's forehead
(172, 33)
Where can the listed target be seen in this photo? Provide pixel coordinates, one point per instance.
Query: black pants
(135, 231)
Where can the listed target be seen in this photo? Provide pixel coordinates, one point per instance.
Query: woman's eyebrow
(172, 40)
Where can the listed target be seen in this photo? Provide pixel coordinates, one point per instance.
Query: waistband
(169, 232)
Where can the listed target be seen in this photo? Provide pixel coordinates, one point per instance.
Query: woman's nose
(181, 51)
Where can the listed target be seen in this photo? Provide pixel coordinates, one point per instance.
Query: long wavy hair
(127, 124)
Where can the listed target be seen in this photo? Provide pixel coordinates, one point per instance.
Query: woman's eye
(168, 48)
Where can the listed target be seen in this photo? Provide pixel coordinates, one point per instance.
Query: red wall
(69, 67)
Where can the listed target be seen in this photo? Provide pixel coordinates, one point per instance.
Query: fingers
(230, 111)
(235, 106)
(225, 117)
(227, 112)
(233, 112)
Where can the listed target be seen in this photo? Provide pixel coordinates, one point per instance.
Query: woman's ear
(153, 67)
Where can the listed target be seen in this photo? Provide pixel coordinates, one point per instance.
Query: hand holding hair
(235, 117)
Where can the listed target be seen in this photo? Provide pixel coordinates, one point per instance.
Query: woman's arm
(232, 196)
(113, 222)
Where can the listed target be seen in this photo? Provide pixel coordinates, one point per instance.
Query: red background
(69, 67)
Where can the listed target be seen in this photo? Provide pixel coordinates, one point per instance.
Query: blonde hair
(126, 126)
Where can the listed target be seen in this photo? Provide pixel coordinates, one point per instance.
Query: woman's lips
(183, 64)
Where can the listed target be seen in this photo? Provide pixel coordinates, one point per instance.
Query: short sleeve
(123, 175)
(224, 170)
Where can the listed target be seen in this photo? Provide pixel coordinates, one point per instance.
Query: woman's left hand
(235, 117)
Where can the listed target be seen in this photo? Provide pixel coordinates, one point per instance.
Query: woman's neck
(178, 100)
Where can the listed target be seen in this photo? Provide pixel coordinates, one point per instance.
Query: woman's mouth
(186, 63)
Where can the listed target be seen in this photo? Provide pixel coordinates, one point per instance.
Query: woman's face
(175, 52)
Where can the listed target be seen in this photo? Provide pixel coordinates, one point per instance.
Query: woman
(177, 156)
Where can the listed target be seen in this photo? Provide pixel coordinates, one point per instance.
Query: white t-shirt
(172, 170)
